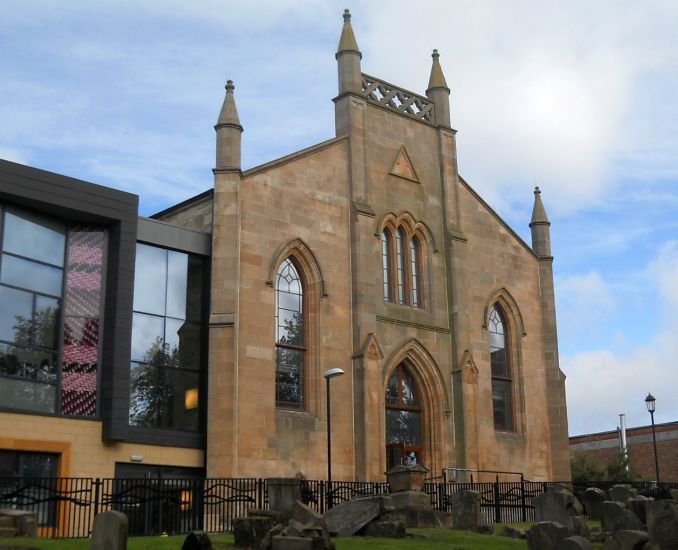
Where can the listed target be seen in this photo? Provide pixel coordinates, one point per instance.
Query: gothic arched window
(386, 260)
(290, 340)
(403, 420)
(402, 262)
(502, 401)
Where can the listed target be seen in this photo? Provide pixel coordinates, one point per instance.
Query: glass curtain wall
(167, 353)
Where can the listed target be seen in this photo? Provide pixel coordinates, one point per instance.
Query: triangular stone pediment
(403, 167)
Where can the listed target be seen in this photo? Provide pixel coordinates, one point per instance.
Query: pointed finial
(538, 212)
(437, 79)
(347, 42)
(229, 112)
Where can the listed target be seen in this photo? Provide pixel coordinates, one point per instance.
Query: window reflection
(501, 373)
(290, 336)
(403, 420)
(166, 346)
(30, 303)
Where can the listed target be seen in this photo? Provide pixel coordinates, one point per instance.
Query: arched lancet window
(502, 401)
(415, 273)
(386, 260)
(403, 420)
(290, 337)
(400, 265)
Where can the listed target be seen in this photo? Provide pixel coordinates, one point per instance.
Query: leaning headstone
(109, 531)
(465, 507)
(593, 499)
(545, 535)
(622, 492)
(557, 505)
(197, 540)
(348, 518)
(627, 521)
(610, 511)
(662, 524)
(575, 542)
(631, 540)
(637, 505)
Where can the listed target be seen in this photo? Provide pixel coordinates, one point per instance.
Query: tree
(620, 469)
(586, 467)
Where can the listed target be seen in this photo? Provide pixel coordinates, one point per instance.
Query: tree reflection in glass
(403, 420)
(290, 337)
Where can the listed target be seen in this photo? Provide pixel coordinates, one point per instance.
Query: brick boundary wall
(605, 446)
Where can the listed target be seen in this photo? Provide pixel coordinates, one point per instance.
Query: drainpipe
(622, 441)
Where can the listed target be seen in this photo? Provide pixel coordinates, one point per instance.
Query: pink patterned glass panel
(82, 304)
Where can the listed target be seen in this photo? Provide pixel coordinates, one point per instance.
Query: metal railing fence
(65, 507)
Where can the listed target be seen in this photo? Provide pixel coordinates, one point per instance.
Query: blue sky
(578, 98)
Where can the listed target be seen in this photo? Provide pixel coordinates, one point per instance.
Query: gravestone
(575, 542)
(637, 505)
(465, 507)
(348, 518)
(622, 492)
(283, 492)
(610, 511)
(558, 505)
(109, 531)
(662, 524)
(627, 521)
(197, 540)
(631, 540)
(24, 522)
(545, 535)
(593, 499)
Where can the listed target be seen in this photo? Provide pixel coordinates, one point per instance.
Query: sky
(577, 97)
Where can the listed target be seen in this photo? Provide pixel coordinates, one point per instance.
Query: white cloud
(604, 383)
(584, 302)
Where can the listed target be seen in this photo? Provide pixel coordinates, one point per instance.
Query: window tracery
(402, 261)
(502, 380)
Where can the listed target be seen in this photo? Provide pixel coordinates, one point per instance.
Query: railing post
(523, 505)
(97, 495)
(497, 509)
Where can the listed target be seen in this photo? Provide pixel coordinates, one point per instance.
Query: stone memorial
(638, 506)
(347, 518)
(465, 506)
(558, 505)
(622, 492)
(592, 500)
(631, 540)
(610, 511)
(662, 524)
(283, 492)
(546, 535)
(23, 523)
(627, 521)
(109, 531)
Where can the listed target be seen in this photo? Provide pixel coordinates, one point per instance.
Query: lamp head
(650, 402)
(333, 372)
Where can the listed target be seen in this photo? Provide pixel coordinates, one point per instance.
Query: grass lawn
(421, 538)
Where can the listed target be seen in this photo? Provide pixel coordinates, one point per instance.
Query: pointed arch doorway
(404, 419)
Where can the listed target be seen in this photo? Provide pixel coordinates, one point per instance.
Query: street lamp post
(328, 375)
(650, 402)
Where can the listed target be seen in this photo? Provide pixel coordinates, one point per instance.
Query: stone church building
(367, 252)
